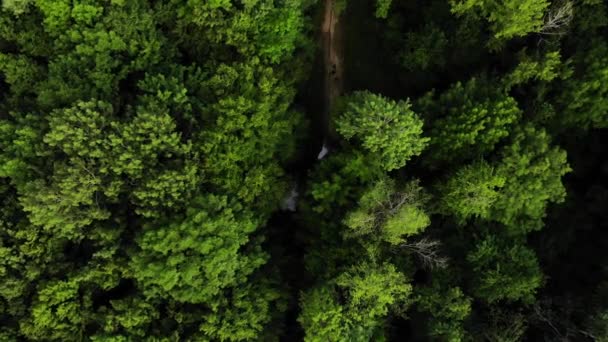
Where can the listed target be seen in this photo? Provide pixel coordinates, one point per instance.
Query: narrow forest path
(332, 45)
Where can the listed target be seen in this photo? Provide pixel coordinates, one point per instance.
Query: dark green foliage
(431, 44)
(504, 270)
(503, 325)
(544, 68)
(584, 97)
(468, 120)
(598, 326)
(340, 177)
(447, 307)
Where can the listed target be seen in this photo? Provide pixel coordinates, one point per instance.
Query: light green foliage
(72, 199)
(132, 315)
(533, 170)
(408, 220)
(94, 48)
(508, 19)
(504, 270)
(79, 131)
(138, 146)
(382, 126)
(544, 69)
(370, 293)
(243, 314)
(253, 130)
(468, 119)
(281, 30)
(447, 306)
(66, 205)
(471, 191)
(192, 259)
(388, 213)
(322, 317)
(585, 96)
(58, 313)
(61, 308)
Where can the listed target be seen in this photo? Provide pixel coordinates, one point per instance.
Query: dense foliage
(159, 177)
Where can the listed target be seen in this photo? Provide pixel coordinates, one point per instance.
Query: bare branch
(428, 252)
(557, 19)
(546, 317)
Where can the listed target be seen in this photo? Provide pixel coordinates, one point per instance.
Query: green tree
(16, 6)
(382, 126)
(94, 48)
(339, 178)
(243, 313)
(447, 307)
(471, 191)
(265, 29)
(508, 19)
(584, 96)
(192, 259)
(370, 291)
(428, 50)
(539, 68)
(321, 316)
(389, 214)
(116, 124)
(130, 317)
(58, 313)
(467, 120)
(382, 8)
(252, 130)
(533, 170)
(504, 270)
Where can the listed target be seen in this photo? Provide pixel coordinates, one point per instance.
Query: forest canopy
(303, 170)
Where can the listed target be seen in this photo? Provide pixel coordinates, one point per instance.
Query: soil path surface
(332, 56)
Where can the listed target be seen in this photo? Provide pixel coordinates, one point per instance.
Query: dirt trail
(332, 56)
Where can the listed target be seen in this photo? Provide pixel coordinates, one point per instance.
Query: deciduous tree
(382, 126)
